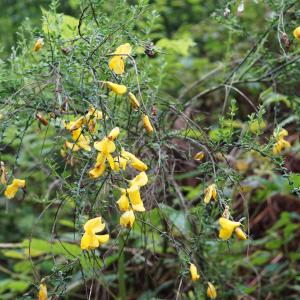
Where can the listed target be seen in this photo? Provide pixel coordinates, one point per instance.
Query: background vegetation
(221, 77)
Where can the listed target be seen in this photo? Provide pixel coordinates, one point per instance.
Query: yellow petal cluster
(227, 227)
(43, 294)
(135, 104)
(211, 291)
(90, 240)
(199, 156)
(127, 219)
(117, 62)
(38, 44)
(134, 161)
(130, 200)
(147, 124)
(296, 33)
(210, 193)
(105, 147)
(118, 89)
(281, 143)
(194, 273)
(13, 188)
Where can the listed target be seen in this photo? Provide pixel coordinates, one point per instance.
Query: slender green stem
(121, 269)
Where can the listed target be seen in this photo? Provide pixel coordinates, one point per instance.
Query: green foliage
(214, 80)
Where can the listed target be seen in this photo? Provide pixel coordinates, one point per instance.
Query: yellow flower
(124, 49)
(97, 171)
(119, 163)
(211, 291)
(118, 89)
(123, 202)
(90, 240)
(194, 273)
(106, 146)
(38, 44)
(43, 294)
(296, 33)
(147, 124)
(114, 133)
(133, 101)
(210, 192)
(139, 180)
(241, 235)
(12, 189)
(199, 156)
(135, 198)
(116, 63)
(281, 143)
(81, 140)
(127, 219)
(134, 161)
(226, 228)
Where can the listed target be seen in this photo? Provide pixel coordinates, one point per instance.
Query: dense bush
(177, 123)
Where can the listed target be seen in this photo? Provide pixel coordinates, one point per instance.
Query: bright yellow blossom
(118, 89)
(199, 156)
(81, 140)
(106, 146)
(296, 33)
(210, 192)
(281, 143)
(13, 188)
(90, 240)
(135, 198)
(127, 219)
(139, 180)
(194, 273)
(241, 235)
(38, 44)
(134, 161)
(133, 101)
(117, 62)
(123, 202)
(147, 124)
(226, 228)
(43, 294)
(211, 291)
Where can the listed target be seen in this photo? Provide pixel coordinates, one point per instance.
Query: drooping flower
(194, 273)
(43, 294)
(241, 235)
(296, 33)
(13, 188)
(147, 124)
(226, 228)
(135, 104)
(211, 291)
(38, 44)
(118, 89)
(134, 161)
(123, 202)
(117, 62)
(199, 156)
(210, 192)
(90, 240)
(127, 219)
(281, 143)
(135, 198)
(140, 180)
